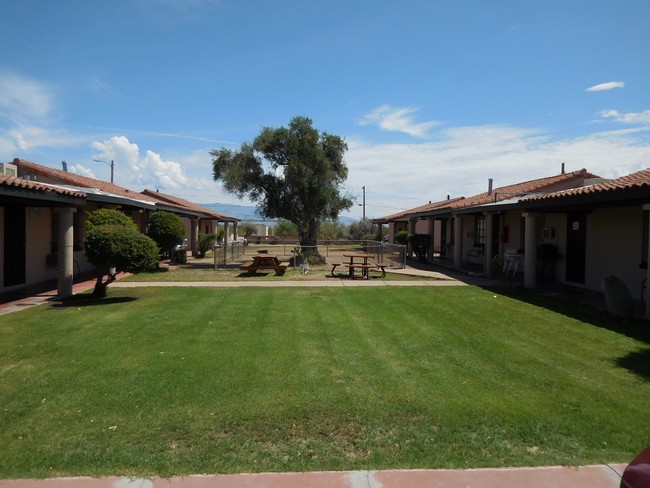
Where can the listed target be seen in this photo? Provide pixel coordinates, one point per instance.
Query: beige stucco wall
(38, 230)
(2, 249)
(614, 247)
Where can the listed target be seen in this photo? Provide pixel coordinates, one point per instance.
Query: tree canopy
(292, 173)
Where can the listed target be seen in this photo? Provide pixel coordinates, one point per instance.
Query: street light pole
(111, 164)
(364, 202)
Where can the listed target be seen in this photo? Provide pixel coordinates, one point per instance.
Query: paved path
(598, 476)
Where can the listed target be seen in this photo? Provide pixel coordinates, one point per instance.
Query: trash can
(181, 256)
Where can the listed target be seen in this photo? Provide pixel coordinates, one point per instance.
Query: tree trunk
(101, 285)
(309, 242)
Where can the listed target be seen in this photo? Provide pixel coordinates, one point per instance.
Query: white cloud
(150, 170)
(628, 118)
(462, 159)
(22, 98)
(610, 85)
(396, 119)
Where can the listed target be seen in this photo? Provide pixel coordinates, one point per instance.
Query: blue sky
(432, 97)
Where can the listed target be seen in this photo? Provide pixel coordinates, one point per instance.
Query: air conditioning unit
(9, 169)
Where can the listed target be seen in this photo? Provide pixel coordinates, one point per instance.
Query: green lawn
(175, 381)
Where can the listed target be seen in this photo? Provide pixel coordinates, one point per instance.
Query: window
(479, 229)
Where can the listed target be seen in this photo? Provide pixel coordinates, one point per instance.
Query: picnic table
(361, 263)
(264, 261)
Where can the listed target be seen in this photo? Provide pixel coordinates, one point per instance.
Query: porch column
(489, 237)
(430, 231)
(530, 248)
(194, 234)
(647, 293)
(458, 241)
(65, 251)
(412, 225)
(234, 232)
(225, 234)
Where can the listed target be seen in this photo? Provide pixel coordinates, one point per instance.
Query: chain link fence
(394, 255)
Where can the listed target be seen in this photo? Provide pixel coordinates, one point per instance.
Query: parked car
(182, 245)
(637, 473)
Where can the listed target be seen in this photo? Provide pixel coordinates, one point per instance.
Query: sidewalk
(598, 476)
(42, 296)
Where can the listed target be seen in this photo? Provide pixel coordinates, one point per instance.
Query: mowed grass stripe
(162, 381)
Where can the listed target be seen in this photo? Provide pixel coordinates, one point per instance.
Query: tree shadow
(570, 305)
(577, 306)
(637, 362)
(87, 300)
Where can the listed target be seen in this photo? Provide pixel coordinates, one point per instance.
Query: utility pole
(364, 202)
(111, 164)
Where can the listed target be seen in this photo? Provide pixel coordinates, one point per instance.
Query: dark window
(479, 229)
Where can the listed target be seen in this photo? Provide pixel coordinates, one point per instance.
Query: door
(576, 245)
(14, 246)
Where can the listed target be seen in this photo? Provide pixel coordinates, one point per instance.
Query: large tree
(292, 173)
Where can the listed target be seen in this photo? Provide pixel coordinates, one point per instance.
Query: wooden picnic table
(361, 263)
(264, 261)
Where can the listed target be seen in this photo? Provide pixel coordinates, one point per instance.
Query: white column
(458, 241)
(65, 251)
(430, 231)
(647, 282)
(412, 224)
(194, 235)
(530, 247)
(225, 234)
(489, 237)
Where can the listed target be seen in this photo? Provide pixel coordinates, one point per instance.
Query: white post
(431, 232)
(65, 251)
(489, 237)
(530, 247)
(458, 241)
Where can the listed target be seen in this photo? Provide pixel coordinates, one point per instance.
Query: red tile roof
(22, 184)
(72, 179)
(540, 185)
(422, 208)
(181, 202)
(638, 180)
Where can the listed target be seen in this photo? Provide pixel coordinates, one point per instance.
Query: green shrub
(167, 230)
(205, 243)
(402, 237)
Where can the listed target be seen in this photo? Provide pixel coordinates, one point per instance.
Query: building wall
(614, 246)
(2, 249)
(39, 230)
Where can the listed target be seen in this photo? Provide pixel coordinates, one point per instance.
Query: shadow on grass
(87, 300)
(637, 362)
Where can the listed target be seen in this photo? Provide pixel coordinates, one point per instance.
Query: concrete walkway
(441, 279)
(597, 476)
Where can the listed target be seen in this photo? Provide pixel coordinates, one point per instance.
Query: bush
(113, 244)
(402, 237)
(205, 244)
(420, 245)
(167, 230)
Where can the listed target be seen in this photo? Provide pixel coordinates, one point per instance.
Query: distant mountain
(249, 212)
